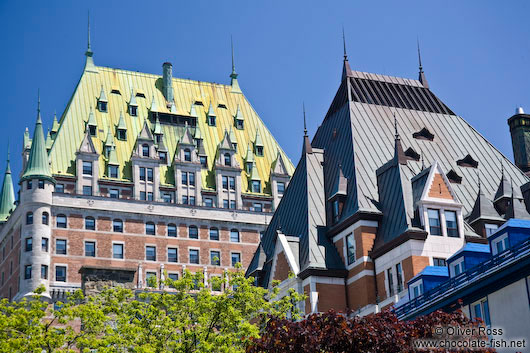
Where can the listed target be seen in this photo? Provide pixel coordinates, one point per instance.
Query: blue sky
(476, 54)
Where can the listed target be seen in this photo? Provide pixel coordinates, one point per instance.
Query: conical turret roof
(55, 125)
(7, 198)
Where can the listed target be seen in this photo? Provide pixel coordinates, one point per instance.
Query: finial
(422, 160)
(395, 126)
(38, 100)
(479, 184)
(233, 74)
(344, 44)
(305, 125)
(88, 32)
(419, 54)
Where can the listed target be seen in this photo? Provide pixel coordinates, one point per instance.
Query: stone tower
(520, 131)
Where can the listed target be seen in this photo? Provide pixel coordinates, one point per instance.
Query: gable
(282, 267)
(439, 189)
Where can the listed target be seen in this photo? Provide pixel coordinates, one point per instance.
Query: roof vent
(412, 155)
(519, 110)
(423, 134)
(467, 161)
(454, 177)
(139, 94)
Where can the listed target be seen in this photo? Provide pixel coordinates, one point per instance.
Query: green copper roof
(113, 157)
(102, 95)
(27, 140)
(91, 119)
(232, 135)
(250, 155)
(121, 122)
(132, 100)
(109, 141)
(254, 175)
(211, 112)
(7, 198)
(258, 141)
(38, 162)
(158, 128)
(55, 126)
(193, 112)
(49, 140)
(239, 114)
(198, 134)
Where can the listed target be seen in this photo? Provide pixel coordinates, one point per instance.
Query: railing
(465, 277)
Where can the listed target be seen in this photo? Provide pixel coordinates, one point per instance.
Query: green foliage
(188, 318)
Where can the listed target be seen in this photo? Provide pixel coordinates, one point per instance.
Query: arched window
(61, 221)
(150, 228)
(29, 218)
(90, 223)
(117, 225)
(187, 155)
(171, 230)
(214, 234)
(234, 236)
(193, 232)
(228, 160)
(145, 150)
(45, 217)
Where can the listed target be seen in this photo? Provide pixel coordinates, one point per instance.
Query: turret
(520, 131)
(7, 198)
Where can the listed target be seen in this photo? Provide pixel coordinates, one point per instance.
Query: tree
(189, 318)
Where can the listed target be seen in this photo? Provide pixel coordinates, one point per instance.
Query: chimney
(167, 84)
(520, 132)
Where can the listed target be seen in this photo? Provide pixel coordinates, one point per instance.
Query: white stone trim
(353, 227)
(363, 273)
(288, 253)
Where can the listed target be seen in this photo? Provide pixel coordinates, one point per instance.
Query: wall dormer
(87, 166)
(92, 125)
(121, 129)
(338, 196)
(239, 119)
(211, 117)
(133, 106)
(258, 145)
(145, 145)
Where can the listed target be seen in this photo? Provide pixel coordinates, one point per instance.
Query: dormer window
(240, 124)
(163, 156)
(228, 159)
(211, 120)
(133, 110)
(249, 167)
(122, 134)
(259, 151)
(451, 223)
(107, 151)
(435, 227)
(187, 155)
(92, 130)
(458, 267)
(423, 134)
(102, 106)
(467, 161)
(204, 161)
(113, 171)
(158, 138)
(336, 211)
(255, 186)
(145, 150)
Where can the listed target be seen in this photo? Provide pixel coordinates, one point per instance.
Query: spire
(399, 155)
(38, 163)
(7, 197)
(55, 125)
(307, 145)
(305, 125)
(346, 70)
(422, 78)
(233, 75)
(89, 53)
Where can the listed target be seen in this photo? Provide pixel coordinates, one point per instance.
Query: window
(60, 246)
(163, 156)
(234, 236)
(390, 280)
(451, 224)
(211, 120)
(102, 106)
(215, 258)
(149, 196)
(458, 267)
(480, 310)
(27, 272)
(194, 256)
(416, 290)
(172, 255)
(114, 193)
(87, 190)
(187, 155)
(239, 124)
(204, 161)
(499, 245)
(193, 232)
(259, 151)
(280, 187)
(232, 204)
(29, 218)
(60, 273)
(44, 244)
(167, 197)
(336, 211)
(87, 168)
(399, 273)
(173, 276)
(227, 159)
(232, 183)
(90, 248)
(92, 130)
(44, 271)
(350, 248)
(150, 279)
(150, 253)
(225, 204)
(45, 218)
(249, 166)
(59, 188)
(191, 179)
(436, 261)
(149, 174)
(29, 244)
(192, 200)
(41, 184)
(184, 177)
(214, 234)
(150, 228)
(61, 221)
(142, 173)
(258, 207)
(490, 228)
(171, 230)
(29, 185)
(145, 150)
(208, 202)
(434, 222)
(143, 195)
(117, 225)
(184, 199)
(117, 251)
(225, 182)
(113, 171)
(122, 134)
(256, 186)
(235, 258)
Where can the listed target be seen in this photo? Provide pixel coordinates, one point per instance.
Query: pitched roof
(278, 166)
(483, 208)
(38, 162)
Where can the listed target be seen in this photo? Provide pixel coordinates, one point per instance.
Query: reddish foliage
(335, 332)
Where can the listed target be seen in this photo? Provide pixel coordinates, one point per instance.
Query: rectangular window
(480, 310)
(44, 244)
(60, 246)
(214, 234)
(390, 280)
(171, 230)
(439, 262)
(225, 182)
(184, 177)
(192, 200)
(150, 228)
(258, 207)
(113, 171)
(87, 190)
(336, 211)
(194, 256)
(173, 276)
(399, 273)
(434, 222)
(490, 228)
(500, 245)
(232, 183)
(29, 185)
(193, 232)
(27, 272)
(29, 244)
(458, 268)
(208, 202)
(149, 196)
(451, 224)
(60, 273)
(236, 258)
(234, 236)
(41, 184)
(350, 248)
(87, 168)
(114, 193)
(90, 248)
(256, 186)
(184, 199)
(167, 198)
(215, 258)
(281, 188)
(150, 253)
(44, 271)
(61, 221)
(417, 290)
(204, 161)
(232, 204)
(143, 195)
(149, 174)
(191, 179)
(172, 255)
(163, 156)
(59, 188)
(117, 251)
(142, 173)
(225, 204)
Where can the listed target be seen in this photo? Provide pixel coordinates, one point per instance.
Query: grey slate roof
(483, 209)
